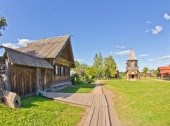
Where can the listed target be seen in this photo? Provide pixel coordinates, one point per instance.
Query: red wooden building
(164, 72)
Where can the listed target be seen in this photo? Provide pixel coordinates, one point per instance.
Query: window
(62, 70)
(56, 70)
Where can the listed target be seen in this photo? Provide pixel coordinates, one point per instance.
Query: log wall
(23, 80)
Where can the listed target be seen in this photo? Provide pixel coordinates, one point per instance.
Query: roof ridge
(38, 42)
(53, 37)
(164, 67)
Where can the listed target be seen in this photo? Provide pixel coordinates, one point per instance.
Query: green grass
(39, 111)
(78, 88)
(143, 102)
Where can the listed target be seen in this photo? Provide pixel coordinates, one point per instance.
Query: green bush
(77, 79)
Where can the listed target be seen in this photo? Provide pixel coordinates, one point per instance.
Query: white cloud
(167, 57)
(157, 30)
(151, 60)
(147, 30)
(143, 55)
(167, 16)
(19, 43)
(122, 53)
(23, 42)
(148, 22)
(10, 45)
(160, 59)
(119, 47)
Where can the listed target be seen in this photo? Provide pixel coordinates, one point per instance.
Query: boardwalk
(98, 114)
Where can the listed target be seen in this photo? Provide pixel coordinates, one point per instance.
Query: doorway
(133, 76)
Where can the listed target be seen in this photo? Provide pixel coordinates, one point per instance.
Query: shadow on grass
(78, 88)
(31, 101)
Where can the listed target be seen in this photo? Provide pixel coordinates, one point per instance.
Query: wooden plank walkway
(98, 114)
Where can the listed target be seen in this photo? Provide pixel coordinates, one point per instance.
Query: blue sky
(108, 26)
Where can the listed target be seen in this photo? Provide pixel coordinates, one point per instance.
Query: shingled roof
(46, 48)
(21, 58)
(132, 55)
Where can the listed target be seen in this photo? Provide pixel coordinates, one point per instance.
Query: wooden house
(38, 66)
(164, 72)
(148, 74)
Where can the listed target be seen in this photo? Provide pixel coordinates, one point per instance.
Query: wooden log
(38, 75)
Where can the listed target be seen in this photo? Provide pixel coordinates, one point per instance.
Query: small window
(62, 70)
(56, 70)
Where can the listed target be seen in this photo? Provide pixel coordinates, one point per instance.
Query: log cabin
(38, 66)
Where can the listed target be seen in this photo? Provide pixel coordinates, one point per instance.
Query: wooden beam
(38, 75)
(64, 62)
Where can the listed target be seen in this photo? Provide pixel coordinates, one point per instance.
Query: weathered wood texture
(2, 72)
(21, 58)
(61, 75)
(32, 67)
(24, 82)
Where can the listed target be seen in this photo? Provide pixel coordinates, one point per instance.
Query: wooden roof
(46, 48)
(36, 53)
(164, 69)
(21, 58)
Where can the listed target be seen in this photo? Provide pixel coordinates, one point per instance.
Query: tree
(3, 24)
(79, 73)
(155, 72)
(98, 65)
(145, 70)
(91, 72)
(109, 67)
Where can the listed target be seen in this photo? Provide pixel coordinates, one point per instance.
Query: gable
(66, 57)
(132, 71)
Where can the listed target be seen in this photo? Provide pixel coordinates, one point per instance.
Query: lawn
(78, 88)
(143, 102)
(39, 111)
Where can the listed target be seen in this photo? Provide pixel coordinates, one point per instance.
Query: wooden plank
(107, 117)
(89, 116)
(104, 117)
(100, 116)
(89, 100)
(82, 99)
(95, 116)
(86, 99)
